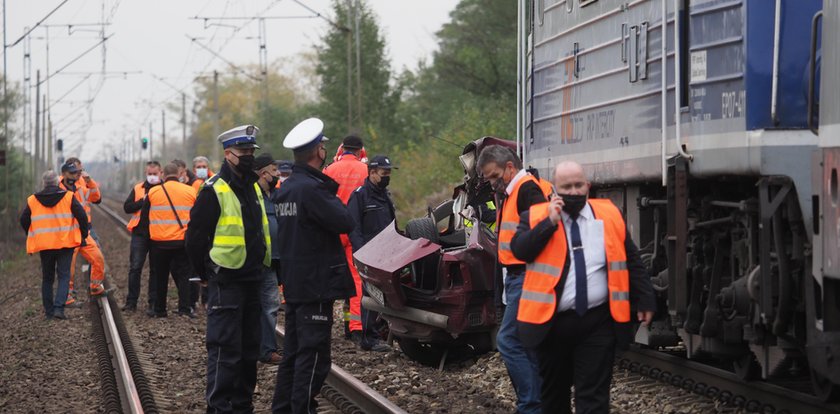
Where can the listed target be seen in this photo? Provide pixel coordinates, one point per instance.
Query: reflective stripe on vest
(509, 221)
(163, 225)
(52, 227)
(228, 249)
(139, 193)
(538, 302)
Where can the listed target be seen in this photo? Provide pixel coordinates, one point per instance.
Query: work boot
(190, 314)
(375, 345)
(71, 298)
(129, 307)
(96, 289)
(356, 338)
(59, 314)
(150, 312)
(272, 359)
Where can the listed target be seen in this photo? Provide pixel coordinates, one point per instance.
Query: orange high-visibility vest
(510, 219)
(163, 225)
(84, 195)
(52, 227)
(349, 173)
(196, 185)
(538, 302)
(139, 193)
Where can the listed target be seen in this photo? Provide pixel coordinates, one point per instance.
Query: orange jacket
(139, 193)
(350, 173)
(52, 227)
(199, 181)
(86, 192)
(163, 223)
(510, 219)
(538, 302)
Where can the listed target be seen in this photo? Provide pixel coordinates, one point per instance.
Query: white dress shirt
(592, 239)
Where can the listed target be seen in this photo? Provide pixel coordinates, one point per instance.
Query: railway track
(347, 393)
(125, 386)
(720, 384)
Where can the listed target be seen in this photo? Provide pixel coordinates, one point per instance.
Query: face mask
(182, 179)
(273, 182)
(153, 179)
(70, 181)
(201, 173)
(323, 160)
(246, 163)
(573, 204)
(282, 179)
(384, 181)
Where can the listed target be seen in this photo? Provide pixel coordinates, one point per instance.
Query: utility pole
(163, 130)
(216, 131)
(37, 161)
(5, 124)
(358, 17)
(183, 122)
(50, 143)
(349, 34)
(44, 131)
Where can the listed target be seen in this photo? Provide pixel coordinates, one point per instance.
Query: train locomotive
(715, 126)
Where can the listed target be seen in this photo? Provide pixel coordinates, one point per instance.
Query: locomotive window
(685, 56)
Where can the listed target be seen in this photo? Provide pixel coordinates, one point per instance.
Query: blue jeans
(521, 363)
(270, 301)
(52, 260)
(136, 260)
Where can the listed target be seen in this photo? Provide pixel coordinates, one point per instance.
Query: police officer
(583, 274)
(55, 223)
(168, 209)
(372, 210)
(138, 226)
(313, 268)
(229, 246)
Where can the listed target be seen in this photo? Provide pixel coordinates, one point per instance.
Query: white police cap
(243, 136)
(305, 135)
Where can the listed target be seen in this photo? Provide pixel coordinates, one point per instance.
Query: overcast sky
(150, 41)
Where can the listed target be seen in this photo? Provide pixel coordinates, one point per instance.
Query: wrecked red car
(434, 282)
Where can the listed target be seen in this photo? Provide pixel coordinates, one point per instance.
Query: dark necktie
(581, 301)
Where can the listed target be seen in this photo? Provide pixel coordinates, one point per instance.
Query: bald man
(583, 273)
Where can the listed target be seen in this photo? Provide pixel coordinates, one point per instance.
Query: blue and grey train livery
(710, 123)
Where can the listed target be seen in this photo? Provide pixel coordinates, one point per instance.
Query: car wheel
(422, 228)
(426, 353)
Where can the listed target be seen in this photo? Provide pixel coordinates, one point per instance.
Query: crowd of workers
(261, 230)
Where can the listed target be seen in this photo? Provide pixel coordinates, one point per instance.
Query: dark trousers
(371, 325)
(579, 351)
(52, 260)
(306, 357)
(136, 260)
(233, 345)
(163, 263)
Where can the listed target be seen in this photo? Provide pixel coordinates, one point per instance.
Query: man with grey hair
(55, 223)
(201, 169)
(516, 190)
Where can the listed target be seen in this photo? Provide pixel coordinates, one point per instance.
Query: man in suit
(583, 272)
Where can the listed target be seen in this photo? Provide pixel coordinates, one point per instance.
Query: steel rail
(130, 395)
(358, 393)
(362, 396)
(711, 381)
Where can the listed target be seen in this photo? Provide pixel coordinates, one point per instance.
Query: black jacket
(528, 243)
(372, 210)
(49, 197)
(310, 218)
(130, 207)
(202, 228)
